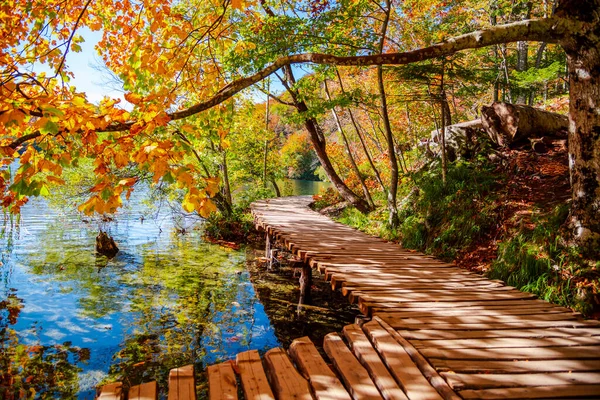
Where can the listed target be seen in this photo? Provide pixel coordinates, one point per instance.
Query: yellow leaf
(127, 181)
(78, 101)
(187, 204)
(133, 98)
(121, 159)
(212, 186)
(206, 208)
(186, 179)
(188, 128)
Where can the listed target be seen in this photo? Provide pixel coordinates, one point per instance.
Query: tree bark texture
(583, 60)
(393, 219)
(506, 123)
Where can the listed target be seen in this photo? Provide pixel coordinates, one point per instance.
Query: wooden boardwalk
(436, 331)
(476, 336)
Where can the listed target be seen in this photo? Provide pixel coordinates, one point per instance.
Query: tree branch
(550, 30)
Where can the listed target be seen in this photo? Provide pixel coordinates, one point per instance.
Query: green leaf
(54, 111)
(44, 191)
(49, 128)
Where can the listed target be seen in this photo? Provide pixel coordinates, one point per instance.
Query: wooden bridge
(436, 331)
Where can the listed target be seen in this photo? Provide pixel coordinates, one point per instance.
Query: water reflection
(298, 187)
(165, 300)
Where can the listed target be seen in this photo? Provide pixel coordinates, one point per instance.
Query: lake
(69, 318)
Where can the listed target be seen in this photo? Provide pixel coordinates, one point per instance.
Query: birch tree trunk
(583, 60)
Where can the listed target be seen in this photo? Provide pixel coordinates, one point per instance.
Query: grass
(540, 262)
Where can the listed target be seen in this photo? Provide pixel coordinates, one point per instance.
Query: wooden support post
(305, 284)
(267, 245)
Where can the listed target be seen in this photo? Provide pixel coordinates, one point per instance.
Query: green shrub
(446, 219)
(237, 227)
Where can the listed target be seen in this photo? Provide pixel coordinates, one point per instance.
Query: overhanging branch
(550, 30)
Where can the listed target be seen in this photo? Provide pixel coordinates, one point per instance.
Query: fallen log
(508, 123)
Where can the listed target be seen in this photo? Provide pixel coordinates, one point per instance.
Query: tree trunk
(506, 123)
(349, 151)
(443, 139)
(583, 60)
(226, 186)
(522, 65)
(523, 57)
(494, 22)
(318, 141)
(276, 187)
(360, 137)
(267, 110)
(393, 219)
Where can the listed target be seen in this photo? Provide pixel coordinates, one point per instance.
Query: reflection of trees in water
(35, 371)
(182, 301)
(193, 312)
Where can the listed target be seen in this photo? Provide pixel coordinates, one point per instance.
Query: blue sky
(87, 79)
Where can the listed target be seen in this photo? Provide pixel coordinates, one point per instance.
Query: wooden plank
(491, 326)
(540, 392)
(367, 355)
(506, 342)
(402, 367)
(515, 353)
(182, 384)
(222, 384)
(366, 305)
(432, 334)
(287, 383)
(485, 381)
(515, 366)
(324, 383)
(468, 305)
(252, 375)
(385, 284)
(435, 312)
(145, 391)
(366, 291)
(111, 391)
(354, 375)
(477, 319)
(457, 297)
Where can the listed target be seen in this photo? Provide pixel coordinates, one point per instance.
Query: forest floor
(536, 183)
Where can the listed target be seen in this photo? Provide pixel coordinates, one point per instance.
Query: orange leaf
(133, 98)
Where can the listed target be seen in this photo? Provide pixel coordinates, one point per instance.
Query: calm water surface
(69, 319)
